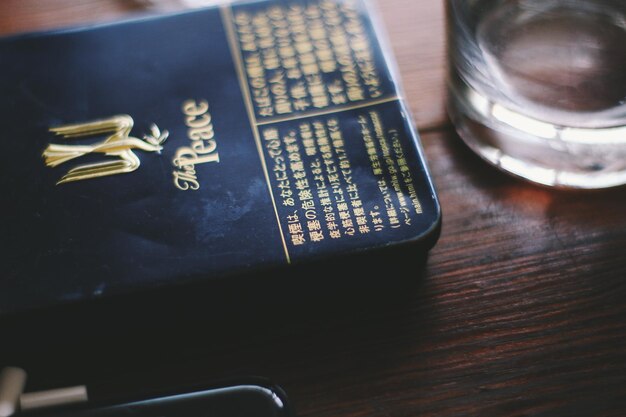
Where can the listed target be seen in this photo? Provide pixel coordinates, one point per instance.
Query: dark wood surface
(521, 310)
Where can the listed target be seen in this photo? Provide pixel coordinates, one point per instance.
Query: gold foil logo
(117, 148)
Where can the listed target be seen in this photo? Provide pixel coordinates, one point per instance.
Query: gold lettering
(193, 108)
(185, 181)
(194, 121)
(187, 158)
(203, 133)
(203, 148)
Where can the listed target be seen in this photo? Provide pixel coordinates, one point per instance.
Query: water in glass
(538, 87)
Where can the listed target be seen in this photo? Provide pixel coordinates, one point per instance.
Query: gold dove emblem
(117, 148)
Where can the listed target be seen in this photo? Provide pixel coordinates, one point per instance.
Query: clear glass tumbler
(538, 87)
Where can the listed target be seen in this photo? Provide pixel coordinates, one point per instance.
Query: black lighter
(256, 399)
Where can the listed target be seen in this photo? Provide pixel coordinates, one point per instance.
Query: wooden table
(522, 310)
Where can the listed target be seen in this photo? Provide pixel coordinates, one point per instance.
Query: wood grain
(26, 15)
(520, 312)
(416, 31)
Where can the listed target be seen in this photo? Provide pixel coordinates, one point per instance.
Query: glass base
(540, 152)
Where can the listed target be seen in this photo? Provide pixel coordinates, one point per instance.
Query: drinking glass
(538, 87)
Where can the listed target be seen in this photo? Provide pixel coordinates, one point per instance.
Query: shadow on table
(301, 319)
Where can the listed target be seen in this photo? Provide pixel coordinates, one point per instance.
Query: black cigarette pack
(200, 147)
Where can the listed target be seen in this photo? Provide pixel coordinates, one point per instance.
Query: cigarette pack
(201, 146)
